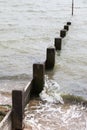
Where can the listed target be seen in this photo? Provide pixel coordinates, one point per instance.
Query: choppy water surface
(27, 28)
(46, 116)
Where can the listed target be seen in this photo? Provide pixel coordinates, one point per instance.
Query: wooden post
(27, 92)
(50, 58)
(68, 23)
(38, 78)
(63, 33)
(72, 6)
(58, 43)
(66, 27)
(17, 109)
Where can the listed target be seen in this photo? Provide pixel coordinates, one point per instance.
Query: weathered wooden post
(27, 92)
(58, 43)
(68, 23)
(66, 27)
(50, 58)
(72, 6)
(38, 78)
(62, 33)
(17, 109)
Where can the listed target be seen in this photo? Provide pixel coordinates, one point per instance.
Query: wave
(51, 92)
(3, 46)
(16, 77)
(72, 99)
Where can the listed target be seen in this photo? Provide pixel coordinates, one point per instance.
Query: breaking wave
(51, 92)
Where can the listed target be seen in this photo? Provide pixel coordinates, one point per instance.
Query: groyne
(20, 98)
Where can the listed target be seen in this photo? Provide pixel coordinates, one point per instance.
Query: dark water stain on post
(66, 27)
(58, 43)
(68, 23)
(63, 33)
(17, 109)
(50, 58)
(38, 78)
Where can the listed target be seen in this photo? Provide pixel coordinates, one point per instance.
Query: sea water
(27, 28)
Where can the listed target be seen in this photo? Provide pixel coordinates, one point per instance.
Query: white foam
(51, 92)
(5, 99)
(53, 117)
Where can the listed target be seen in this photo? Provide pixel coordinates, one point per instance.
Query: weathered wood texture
(66, 27)
(17, 109)
(38, 78)
(68, 23)
(63, 33)
(58, 43)
(20, 98)
(27, 92)
(50, 58)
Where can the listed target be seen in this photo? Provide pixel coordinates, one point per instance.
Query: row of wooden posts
(20, 98)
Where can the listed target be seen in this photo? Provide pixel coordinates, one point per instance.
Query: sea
(27, 28)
